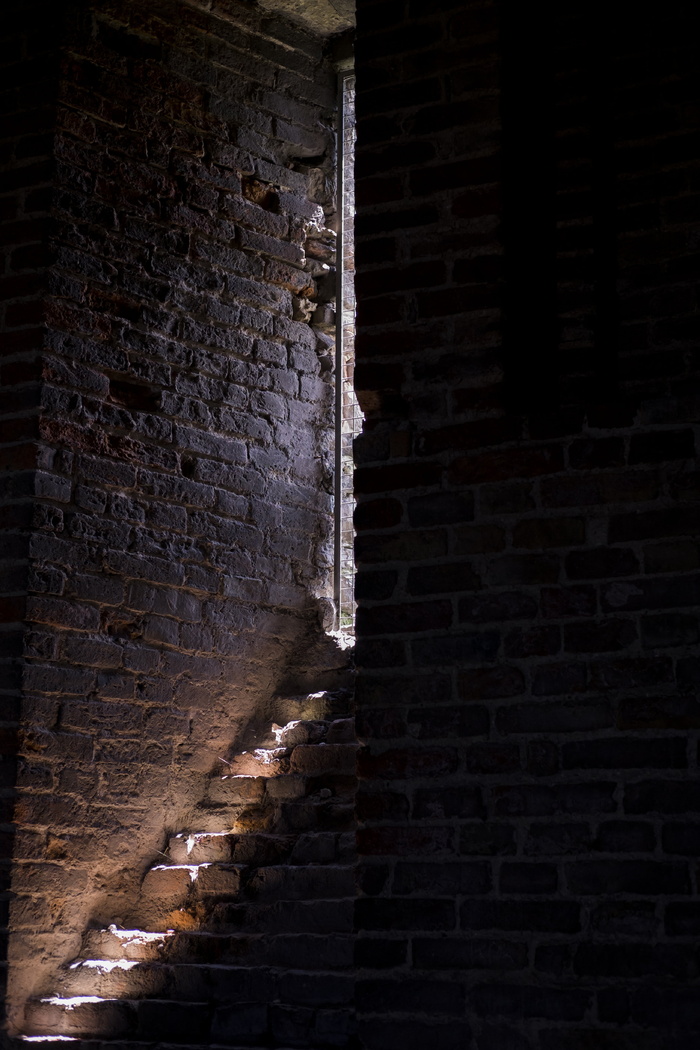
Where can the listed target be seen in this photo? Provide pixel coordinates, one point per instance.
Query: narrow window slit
(348, 416)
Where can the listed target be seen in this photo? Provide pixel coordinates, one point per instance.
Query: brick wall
(182, 540)
(527, 527)
(527, 521)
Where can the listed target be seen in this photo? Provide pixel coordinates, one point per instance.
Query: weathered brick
(415, 914)
(455, 649)
(625, 753)
(561, 717)
(606, 636)
(540, 534)
(544, 916)
(662, 796)
(627, 876)
(556, 1004)
(473, 954)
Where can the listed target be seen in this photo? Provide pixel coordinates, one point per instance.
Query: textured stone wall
(181, 533)
(528, 588)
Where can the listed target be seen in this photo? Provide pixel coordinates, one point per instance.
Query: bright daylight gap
(348, 417)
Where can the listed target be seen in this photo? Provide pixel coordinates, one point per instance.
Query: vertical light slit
(347, 411)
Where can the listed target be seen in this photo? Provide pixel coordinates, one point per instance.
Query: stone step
(261, 762)
(259, 849)
(168, 882)
(225, 881)
(211, 847)
(112, 979)
(269, 899)
(186, 982)
(114, 943)
(324, 952)
(183, 1023)
(88, 1016)
(180, 896)
(67, 1042)
(91, 1017)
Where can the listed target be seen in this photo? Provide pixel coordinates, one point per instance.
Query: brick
(423, 689)
(681, 839)
(671, 629)
(534, 641)
(543, 916)
(617, 836)
(455, 650)
(587, 453)
(662, 445)
(606, 636)
(416, 914)
(380, 805)
(671, 1009)
(473, 435)
(443, 879)
(369, 480)
(379, 514)
(558, 839)
(601, 563)
(631, 960)
(627, 876)
(559, 678)
(442, 508)
(524, 569)
(542, 800)
(633, 487)
(411, 1035)
(613, 1005)
(625, 753)
(541, 534)
(492, 758)
(662, 796)
(631, 673)
(400, 546)
(438, 579)
(407, 762)
(507, 498)
(495, 466)
(681, 556)
(454, 801)
(544, 717)
(447, 722)
(479, 539)
(377, 953)
(438, 997)
(556, 1004)
(663, 712)
(473, 954)
(489, 684)
(528, 878)
(654, 523)
(682, 920)
(508, 605)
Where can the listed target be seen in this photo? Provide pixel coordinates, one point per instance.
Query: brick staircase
(241, 936)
